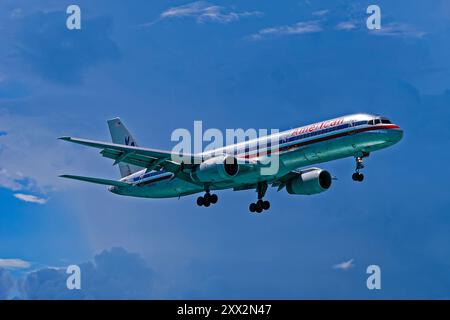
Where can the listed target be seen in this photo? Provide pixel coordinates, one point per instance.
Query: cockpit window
(370, 122)
(386, 121)
(377, 121)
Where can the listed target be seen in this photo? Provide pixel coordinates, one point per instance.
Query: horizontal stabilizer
(97, 180)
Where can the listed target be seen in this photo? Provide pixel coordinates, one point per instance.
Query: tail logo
(129, 142)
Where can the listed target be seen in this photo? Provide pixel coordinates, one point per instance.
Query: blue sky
(252, 64)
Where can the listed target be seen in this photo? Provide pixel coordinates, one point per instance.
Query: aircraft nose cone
(395, 135)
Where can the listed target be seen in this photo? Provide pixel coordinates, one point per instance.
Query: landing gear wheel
(207, 200)
(213, 198)
(259, 207)
(358, 177)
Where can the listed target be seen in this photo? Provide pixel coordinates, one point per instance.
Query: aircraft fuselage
(348, 136)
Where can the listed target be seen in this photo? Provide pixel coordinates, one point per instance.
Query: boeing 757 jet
(151, 173)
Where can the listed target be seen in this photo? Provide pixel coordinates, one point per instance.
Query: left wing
(151, 159)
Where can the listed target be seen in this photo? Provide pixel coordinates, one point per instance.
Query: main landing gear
(261, 204)
(207, 200)
(357, 176)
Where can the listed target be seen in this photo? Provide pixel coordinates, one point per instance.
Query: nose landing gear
(261, 204)
(358, 176)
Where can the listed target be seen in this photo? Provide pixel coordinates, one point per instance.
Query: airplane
(151, 173)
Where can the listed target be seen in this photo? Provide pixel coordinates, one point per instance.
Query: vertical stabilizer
(121, 135)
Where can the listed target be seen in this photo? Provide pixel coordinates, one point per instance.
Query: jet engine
(310, 182)
(216, 169)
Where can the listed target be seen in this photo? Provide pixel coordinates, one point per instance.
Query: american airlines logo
(318, 126)
(129, 142)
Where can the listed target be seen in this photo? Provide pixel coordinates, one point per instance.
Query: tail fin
(121, 135)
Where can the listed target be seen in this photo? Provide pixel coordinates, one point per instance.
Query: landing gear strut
(261, 204)
(207, 200)
(357, 176)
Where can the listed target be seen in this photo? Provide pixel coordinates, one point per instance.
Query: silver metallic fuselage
(349, 136)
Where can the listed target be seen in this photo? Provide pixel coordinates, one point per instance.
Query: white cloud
(346, 26)
(345, 265)
(398, 30)
(14, 264)
(203, 11)
(294, 29)
(321, 13)
(30, 198)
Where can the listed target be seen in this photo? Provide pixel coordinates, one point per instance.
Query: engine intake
(216, 169)
(310, 182)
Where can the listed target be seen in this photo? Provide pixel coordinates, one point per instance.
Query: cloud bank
(203, 12)
(343, 18)
(6, 284)
(113, 274)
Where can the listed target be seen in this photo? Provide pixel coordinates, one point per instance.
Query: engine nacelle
(216, 169)
(310, 182)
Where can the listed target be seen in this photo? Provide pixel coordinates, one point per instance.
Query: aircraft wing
(143, 157)
(97, 180)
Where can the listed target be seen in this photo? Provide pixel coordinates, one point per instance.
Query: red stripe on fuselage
(338, 135)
